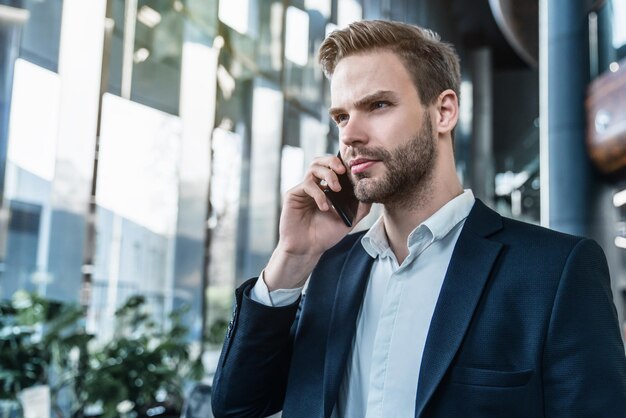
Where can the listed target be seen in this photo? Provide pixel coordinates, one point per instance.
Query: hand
(308, 226)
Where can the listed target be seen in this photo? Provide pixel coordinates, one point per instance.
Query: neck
(401, 218)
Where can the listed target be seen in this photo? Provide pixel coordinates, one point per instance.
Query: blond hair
(433, 64)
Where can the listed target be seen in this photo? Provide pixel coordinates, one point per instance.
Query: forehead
(356, 76)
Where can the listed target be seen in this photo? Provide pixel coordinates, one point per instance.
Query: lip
(359, 165)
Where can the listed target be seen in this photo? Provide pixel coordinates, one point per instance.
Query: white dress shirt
(382, 374)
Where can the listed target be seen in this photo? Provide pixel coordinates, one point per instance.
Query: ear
(447, 112)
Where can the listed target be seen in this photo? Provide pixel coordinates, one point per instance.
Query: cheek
(397, 130)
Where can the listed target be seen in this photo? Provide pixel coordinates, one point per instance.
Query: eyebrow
(365, 101)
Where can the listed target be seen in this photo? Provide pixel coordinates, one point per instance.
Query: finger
(313, 190)
(330, 161)
(325, 178)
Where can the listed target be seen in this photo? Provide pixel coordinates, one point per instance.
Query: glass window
(607, 36)
(22, 244)
(304, 80)
(42, 33)
(269, 48)
(223, 224)
(29, 174)
(155, 56)
(137, 200)
(619, 29)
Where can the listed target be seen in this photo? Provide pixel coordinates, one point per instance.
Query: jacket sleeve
(584, 367)
(251, 376)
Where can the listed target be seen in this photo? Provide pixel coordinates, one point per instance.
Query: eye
(340, 118)
(380, 104)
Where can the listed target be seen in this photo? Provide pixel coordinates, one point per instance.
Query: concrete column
(482, 166)
(573, 197)
(564, 73)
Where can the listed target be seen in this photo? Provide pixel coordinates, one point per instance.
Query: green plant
(41, 342)
(142, 365)
(219, 314)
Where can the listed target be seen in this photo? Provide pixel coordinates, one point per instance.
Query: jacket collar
(351, 286)
(469, 269)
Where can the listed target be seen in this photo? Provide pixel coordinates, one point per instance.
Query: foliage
(141, 366)
(41, 342)
(219, 314)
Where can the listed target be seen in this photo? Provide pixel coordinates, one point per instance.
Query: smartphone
(344, 201)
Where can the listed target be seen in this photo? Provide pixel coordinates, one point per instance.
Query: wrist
(287, 270)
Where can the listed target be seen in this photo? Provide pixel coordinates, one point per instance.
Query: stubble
(408, 174)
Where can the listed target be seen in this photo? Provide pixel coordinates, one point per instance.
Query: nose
(354, 132)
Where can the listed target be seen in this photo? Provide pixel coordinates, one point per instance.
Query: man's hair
(433, 64)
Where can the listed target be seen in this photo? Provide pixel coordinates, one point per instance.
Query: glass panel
(137, 198)
(607, 26)
(157, 53)
(157, 56)
(348, 11)
(291, 168)
(225, 202)
(297, 36)
(42, 33)
(22, 244)
(235, 13)
(269, 48)
(29, 176)
(197, 110)
(321, 6)
(619, 29)
(304, 80)
(265, 170)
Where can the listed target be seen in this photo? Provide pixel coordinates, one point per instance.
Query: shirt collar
(438, 225)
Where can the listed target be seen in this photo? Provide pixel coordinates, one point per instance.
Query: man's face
(385, 133)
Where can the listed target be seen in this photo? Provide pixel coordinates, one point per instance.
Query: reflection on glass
(234, 13)
(291, 167)
(225, 197)
(32, 146)
(303, 78)
(297, 36)
(313, 138)
(348, 11)
(267, 107)
(21, 250)
(137, 198)
(154, 56)
(619, 29)
(29, 176)
(42, 32)
(322, 6)
(137, 172)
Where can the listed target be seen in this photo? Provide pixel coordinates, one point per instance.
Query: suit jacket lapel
(351, 286)
(469, 269)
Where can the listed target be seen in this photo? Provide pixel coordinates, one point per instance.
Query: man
(443, 308)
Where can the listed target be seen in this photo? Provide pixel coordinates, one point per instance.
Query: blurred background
(145, 146)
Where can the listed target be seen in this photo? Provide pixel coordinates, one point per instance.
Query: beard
(408, 170)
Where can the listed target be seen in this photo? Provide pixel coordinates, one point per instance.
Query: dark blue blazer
(524, 326)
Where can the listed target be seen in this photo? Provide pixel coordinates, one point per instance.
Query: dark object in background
(606, 120)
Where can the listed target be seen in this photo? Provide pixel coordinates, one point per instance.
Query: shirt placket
(382, 343)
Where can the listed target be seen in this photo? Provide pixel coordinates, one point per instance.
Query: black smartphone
(344, 201)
